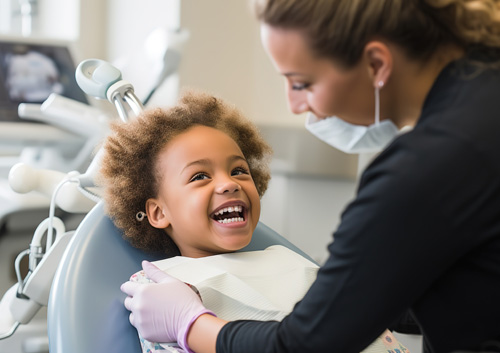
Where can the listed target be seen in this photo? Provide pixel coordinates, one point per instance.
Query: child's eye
(240, 171)
(300, 86)
(199, 176)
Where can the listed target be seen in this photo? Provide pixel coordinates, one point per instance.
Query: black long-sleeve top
(423, 233)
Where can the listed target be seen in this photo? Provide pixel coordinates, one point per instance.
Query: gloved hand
(163, 311)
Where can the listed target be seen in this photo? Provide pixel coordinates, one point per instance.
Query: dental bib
(248, 284)
(254, 285)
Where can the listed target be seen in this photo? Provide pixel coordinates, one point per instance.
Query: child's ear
(156, 214)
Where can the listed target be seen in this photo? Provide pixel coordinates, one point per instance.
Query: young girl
(187, 180)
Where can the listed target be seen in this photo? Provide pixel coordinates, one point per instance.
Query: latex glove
(165, 310)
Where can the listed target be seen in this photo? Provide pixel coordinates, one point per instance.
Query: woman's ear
(380, 60)
(156, 214)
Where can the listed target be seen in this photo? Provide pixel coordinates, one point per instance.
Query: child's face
(203, 172)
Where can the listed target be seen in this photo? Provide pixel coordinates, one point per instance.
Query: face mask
(351, 138)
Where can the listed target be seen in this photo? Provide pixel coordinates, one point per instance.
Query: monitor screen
(32, 69)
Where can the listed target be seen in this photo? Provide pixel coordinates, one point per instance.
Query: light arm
(203, 333)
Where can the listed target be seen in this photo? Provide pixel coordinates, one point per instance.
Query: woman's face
(318, 85)
(207, 193)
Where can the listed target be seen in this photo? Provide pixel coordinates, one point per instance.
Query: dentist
(423, 233)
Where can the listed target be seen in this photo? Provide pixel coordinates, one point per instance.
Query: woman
(423, 232)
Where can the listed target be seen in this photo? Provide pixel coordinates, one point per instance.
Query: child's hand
(162, 311)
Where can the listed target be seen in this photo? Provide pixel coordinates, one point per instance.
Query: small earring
(380, 84)
(140, 216)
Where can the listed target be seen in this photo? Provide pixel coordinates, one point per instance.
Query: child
(187, 180)
(197, 202)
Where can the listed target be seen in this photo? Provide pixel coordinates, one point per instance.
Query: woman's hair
(340, 29)
(129, 172)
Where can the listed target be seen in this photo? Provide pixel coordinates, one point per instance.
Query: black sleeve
(406, 324)
(387, 251)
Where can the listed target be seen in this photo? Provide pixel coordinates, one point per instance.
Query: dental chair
(85, 310)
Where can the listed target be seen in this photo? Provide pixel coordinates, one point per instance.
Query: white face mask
(351, 138)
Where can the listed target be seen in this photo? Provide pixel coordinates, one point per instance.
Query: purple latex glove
(163, 311)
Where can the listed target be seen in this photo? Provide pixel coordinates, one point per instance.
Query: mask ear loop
(378, 86)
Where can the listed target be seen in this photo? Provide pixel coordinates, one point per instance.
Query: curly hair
(340, 29)
(128, 174)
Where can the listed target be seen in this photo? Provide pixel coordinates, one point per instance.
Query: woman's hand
(165, 310)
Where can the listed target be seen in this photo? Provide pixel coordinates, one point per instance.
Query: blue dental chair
(85, 309)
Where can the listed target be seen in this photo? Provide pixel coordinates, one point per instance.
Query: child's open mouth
(229, 214)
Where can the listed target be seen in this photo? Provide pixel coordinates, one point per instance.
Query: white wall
(5, 15)
(306, 210)
(130, 21)
(224, 56)
(310, 186)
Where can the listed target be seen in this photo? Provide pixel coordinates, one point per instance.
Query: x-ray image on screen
(31, 76)
(30, 72)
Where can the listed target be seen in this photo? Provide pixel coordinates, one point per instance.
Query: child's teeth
(230, 209)
(231, 220)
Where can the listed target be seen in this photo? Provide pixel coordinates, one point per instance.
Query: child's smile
(230, 213)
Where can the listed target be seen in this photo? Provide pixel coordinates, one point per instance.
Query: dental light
(72, 192)
(102, 80)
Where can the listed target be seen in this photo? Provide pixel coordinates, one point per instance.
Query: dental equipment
(28, 295)
(161, 54)
(169, 54)
(102, 80)
(72, 191)
(72, 116)
(97, 78)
